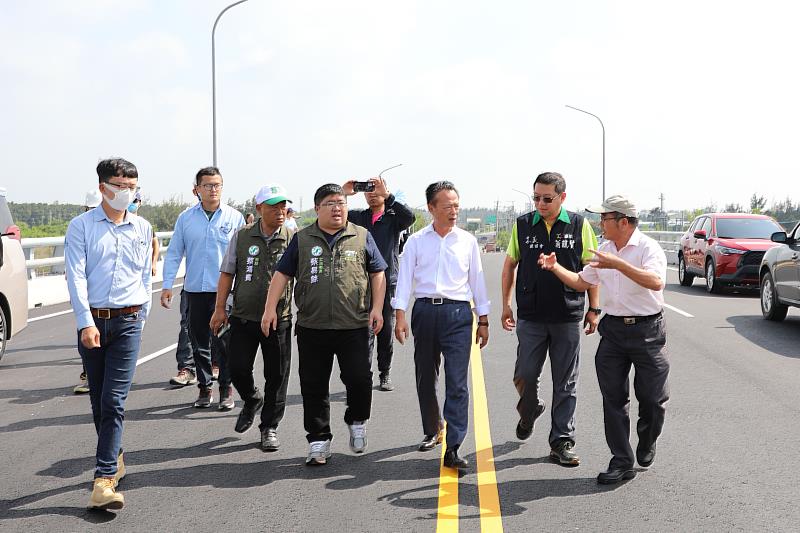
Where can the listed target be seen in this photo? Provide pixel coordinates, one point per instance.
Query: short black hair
(206, 171)
(435, 188)
(327, 190)
(552, 178)
(116, 168)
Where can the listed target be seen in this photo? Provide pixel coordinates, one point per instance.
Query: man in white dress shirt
(443, 264)
(632, 269)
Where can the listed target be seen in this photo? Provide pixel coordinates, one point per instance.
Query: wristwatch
(595, 310)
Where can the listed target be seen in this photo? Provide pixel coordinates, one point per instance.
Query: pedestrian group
(352, 289)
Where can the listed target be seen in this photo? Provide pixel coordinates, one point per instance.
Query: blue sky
(699, 99)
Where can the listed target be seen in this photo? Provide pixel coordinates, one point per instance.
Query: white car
(13, 278)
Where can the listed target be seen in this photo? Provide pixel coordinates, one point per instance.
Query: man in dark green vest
(549, 313)
(250, 261)
(339, 295)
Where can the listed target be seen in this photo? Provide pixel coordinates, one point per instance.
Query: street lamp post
(214, 79)
(604, 145)
(528, 201)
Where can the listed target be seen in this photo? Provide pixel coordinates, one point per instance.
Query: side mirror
(700, 234)
(779, 236)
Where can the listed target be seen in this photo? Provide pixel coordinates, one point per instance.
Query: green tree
(757, 203)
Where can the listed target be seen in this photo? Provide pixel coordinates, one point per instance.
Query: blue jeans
(109, 370)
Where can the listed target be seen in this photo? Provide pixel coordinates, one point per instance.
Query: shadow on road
(781, 338)
(71, 361)
(34, 396)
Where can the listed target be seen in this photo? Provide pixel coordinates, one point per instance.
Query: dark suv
(780, 275)
(726, 249)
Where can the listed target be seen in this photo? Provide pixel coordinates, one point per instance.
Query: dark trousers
(109, 370)
(316, 348)
(183, 353)
(201, 307)
(443, 330)
(562, 341)
(643, 346)
(385, 336)
(276, 350)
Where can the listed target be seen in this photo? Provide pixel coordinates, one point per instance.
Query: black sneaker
(204, 398)
(524, 430)
(386, 382)
(562, 454)
(269, 440)
(248, 413)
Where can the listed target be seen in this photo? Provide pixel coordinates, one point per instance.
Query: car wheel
(3, 333)
(711, 278)
(684, 277)
(771, 308)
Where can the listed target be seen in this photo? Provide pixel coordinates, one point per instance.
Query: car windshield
(746, 228)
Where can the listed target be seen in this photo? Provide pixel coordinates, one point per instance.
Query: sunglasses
(545, 199)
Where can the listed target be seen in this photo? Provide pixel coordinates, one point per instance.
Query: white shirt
(621, 295)
(441, 267)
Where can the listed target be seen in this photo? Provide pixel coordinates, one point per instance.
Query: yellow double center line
(488, 498)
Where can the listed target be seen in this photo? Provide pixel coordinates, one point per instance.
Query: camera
(363, 186)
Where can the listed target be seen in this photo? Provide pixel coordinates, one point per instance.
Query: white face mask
(123, 197)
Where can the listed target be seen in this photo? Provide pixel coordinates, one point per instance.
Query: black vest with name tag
(540, 295)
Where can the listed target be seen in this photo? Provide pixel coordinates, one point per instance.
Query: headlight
(724, 250)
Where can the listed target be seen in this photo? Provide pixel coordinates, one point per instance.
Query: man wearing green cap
(252, 254)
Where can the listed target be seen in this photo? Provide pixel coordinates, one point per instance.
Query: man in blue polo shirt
(202, 234)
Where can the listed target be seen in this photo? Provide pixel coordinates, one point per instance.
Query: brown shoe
(184, 377)
(105, 496)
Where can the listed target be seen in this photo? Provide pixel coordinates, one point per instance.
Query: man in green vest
(250, 261)
(339, 294)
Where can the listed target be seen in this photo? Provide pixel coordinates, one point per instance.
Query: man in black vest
(250, 261)
(385, 220)
(339, 293)
(549, 313)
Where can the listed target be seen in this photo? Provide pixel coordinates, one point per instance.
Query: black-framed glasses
(545, 199)
(212, 186)
(132, 188)
(330, 205)
(618, 217)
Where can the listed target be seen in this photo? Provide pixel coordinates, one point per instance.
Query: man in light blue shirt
(202, 234)
(108, 262)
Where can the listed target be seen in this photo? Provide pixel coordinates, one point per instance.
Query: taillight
(13, 232)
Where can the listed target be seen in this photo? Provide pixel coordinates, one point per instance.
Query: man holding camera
(386, 219)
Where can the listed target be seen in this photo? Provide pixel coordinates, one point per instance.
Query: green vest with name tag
(333, 286)
(255, 264)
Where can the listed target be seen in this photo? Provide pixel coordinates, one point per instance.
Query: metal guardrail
(29, 247)
(670, 241)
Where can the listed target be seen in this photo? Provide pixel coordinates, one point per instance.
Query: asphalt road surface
(727, 460)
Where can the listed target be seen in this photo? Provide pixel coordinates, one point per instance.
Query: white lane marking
(152, 356)
(672, 268)
(679, 311)
(51, 315)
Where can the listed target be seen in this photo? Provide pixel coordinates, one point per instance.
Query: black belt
(631, 320)
(112, 313)
(440, 301)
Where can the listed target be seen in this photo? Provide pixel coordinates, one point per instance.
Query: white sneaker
(319, 452)
(358, 436)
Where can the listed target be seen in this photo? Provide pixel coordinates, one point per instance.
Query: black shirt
(386, 231)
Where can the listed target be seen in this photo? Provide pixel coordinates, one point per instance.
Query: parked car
(13, 278)
(726, 249)
(780, 275)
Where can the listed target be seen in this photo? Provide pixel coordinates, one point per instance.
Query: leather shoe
(524, 429)
(615, 475)
(645, 455)
(430, 442)
(248, 413)
(452, 460)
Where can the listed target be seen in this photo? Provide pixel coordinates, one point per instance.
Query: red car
(725, 249)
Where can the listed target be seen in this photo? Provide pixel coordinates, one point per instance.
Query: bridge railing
(44, 252)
